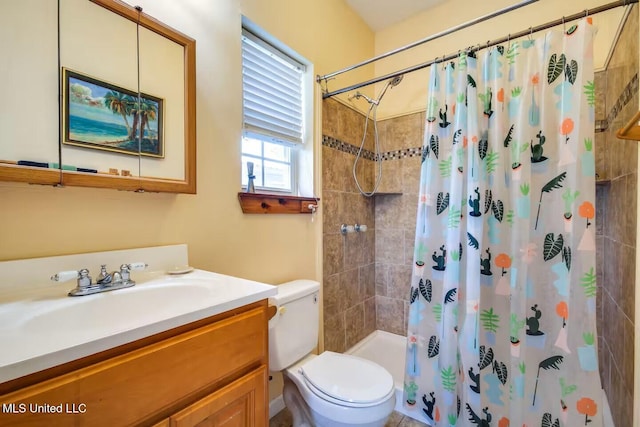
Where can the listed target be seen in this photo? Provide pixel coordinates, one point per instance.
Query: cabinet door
(243, 403)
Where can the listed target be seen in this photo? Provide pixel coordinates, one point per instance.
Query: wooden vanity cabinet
(209, 373)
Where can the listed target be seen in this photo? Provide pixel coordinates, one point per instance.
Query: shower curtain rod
(428, 39)
(490, 43)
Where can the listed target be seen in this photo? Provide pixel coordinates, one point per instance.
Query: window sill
(259, 203)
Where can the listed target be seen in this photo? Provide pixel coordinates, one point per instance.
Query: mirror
(127, 116)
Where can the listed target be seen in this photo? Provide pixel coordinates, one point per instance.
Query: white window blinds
(272, 92)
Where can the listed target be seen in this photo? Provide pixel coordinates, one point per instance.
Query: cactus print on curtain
(502, 325)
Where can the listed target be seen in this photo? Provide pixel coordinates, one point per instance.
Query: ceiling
(378, 15)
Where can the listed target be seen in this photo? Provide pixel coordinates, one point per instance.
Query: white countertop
(45, 328)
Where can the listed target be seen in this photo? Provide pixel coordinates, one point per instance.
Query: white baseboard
(275, 406)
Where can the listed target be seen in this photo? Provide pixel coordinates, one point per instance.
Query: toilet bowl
(331, 389)
(326, 394)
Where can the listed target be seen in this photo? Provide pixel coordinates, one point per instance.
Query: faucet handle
(63, 276)
(137, 266)
(84, 280)
(125, 269)
(133, 266)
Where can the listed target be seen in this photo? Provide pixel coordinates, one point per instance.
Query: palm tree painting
(103, 116)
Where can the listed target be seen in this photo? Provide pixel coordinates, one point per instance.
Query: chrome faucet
(104, 282)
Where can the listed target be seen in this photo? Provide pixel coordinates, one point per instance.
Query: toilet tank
(293, 331)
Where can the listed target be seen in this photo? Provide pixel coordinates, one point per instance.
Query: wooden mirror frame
(35, 175)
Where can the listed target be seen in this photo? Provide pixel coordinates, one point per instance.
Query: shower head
(393, 82)
(396, 80)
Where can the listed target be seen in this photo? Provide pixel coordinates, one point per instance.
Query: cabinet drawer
(240, 404)
(130, 388)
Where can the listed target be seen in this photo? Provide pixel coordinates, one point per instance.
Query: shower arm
(528, 31)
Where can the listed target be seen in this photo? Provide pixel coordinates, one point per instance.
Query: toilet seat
(347, 380)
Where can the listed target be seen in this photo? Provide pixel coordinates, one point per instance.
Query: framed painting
(104, 116)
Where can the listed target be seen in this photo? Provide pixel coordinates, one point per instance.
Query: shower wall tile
(399, 282)
(604, 355)
(350, 126)
(353, 249)
(333, 254)
(354, 317)
(626, 365)
(370, 242)
(370, 315)
(600, 82)
(626, 301)
(331, 219)
(331, 174)
(330, 117)
(335, 333)
(390, 246)
(601, 154)
(391, 181)
(369, 142)
(382, 278)
(354, 208)
(401, 139)
(387, 210)
(409, 245)
(601, 212)
(390, 315)
(349, 269)
(616, 206)
(411, 174)
(401, 132)
(350, 282)
(335, 297)
(368, 281)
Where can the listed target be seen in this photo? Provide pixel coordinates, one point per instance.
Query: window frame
(285, 53)
(292, 165)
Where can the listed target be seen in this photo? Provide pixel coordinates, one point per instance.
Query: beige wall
(411, 94)
(41, 221)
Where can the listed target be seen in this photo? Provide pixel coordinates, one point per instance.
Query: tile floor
(283, 419)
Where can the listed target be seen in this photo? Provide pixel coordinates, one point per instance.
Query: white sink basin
(120, 309)
(51, 328)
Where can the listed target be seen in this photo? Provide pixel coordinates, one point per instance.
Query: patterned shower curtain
(502, 327)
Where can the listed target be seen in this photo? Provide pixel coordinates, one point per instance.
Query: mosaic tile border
(630, 89)
(345, 147)
(401, 154)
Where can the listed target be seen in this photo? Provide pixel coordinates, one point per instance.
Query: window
(273, 112)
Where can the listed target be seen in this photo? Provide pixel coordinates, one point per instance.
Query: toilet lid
(348, 378)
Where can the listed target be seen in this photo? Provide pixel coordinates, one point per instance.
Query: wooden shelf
(259, 203)
(631, 130)
(603, 182)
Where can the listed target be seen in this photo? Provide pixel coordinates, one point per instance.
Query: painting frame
(95, 130)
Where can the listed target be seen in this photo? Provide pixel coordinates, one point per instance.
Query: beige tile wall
(396, 220)
(367, 276)
(616, 161)
(349, 269)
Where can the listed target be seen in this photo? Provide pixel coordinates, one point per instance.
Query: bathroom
(365, 276)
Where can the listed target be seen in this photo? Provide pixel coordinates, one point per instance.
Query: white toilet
(331, 389)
